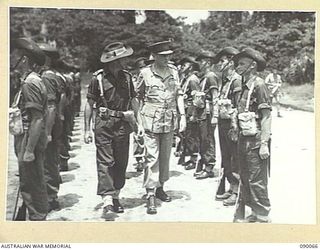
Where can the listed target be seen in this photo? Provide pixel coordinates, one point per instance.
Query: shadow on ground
(132, 174)
(109, 216)
(75, 147)
(175, 173)
(129, 203)
(175, 195)
(68, 200)
(75, 139)
(72, 155)
(73, 166)
(67, 178)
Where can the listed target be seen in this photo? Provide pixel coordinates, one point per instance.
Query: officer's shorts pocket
(147, 117)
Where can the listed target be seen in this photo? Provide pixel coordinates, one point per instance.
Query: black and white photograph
(166, 115)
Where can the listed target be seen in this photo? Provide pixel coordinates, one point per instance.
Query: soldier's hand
(214, 120)
(87, 137)
(62, 117)
(183, 123)
(264, 151)
(28, 156)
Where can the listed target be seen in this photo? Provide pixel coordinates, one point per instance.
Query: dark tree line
(286, 39)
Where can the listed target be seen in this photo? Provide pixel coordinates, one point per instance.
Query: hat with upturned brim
(227, 51)
(254, 55)
(49, 50)
(115, 51)
(161, 48)
(205, 55)
(31, 50)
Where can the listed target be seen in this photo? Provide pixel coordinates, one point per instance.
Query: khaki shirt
(158, 96)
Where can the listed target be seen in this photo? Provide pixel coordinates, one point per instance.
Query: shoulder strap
(16, 99)
(204, 83)
(186, 84)
(128, 78)
(249, 95)
(99, 78)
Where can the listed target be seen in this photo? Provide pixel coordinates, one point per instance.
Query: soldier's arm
(213, 85)
(92, 94)
(264, 107)
(236, 91)
(265, 125)
(138, 100)
(51, 116)
(62, 105)
(88, 114)
(33, 133)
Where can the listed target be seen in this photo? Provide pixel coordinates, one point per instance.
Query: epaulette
(98, 72)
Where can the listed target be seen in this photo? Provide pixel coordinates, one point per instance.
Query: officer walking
(254, 115)
(112, 90)
(31, 144)
(160, 96)
(227, 124)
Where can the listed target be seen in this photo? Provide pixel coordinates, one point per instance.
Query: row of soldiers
(222, 90)
(44, 103)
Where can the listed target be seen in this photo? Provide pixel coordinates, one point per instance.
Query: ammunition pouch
(248, 123)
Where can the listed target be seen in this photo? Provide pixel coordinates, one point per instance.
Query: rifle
(222, 183)
(22, 211)
(181, 148)
(239, 213)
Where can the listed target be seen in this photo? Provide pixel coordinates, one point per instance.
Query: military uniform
(206, 130)
(32, 182)
(63, 142)
(191, 139)
(111, 131)
(159, 119)
(254, 170)
(52, 174)
(231, 86)
(77, 94)
(253, 106)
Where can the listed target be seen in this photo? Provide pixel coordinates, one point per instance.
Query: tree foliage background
(286, 39)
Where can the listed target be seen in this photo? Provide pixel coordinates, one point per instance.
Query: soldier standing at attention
(190, 83)
(53, 125)
(207, 115)
(30, 145)
(112, 90)
(254, 116)
(227, 124)
(160, 98)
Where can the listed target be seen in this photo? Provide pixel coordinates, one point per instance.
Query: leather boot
(231, 201)
(161, 194)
